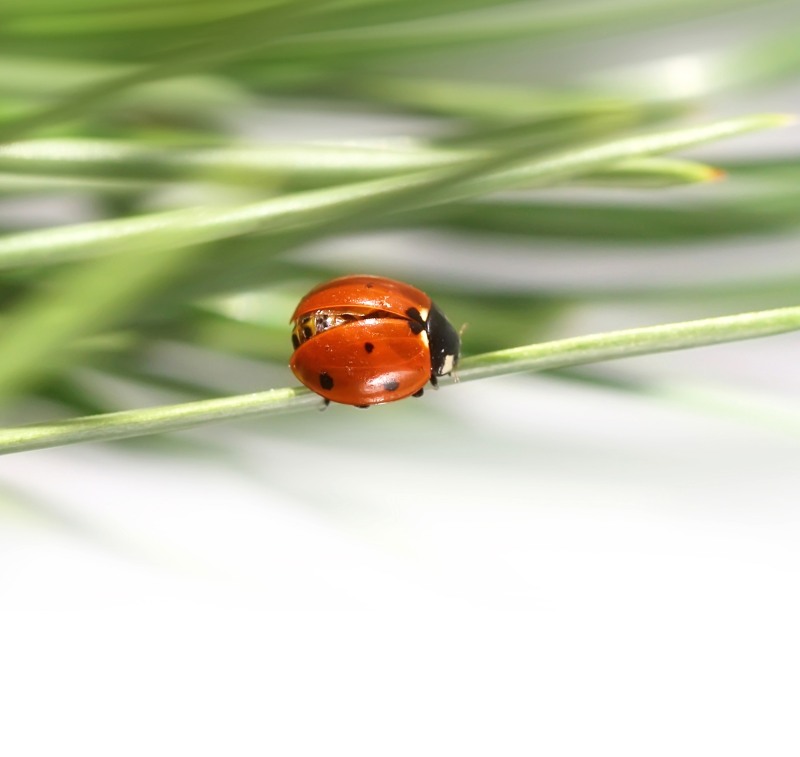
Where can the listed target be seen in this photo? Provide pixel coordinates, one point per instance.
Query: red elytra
(364, 340)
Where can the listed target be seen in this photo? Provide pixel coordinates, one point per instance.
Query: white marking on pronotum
(447, 366)
(424, 312)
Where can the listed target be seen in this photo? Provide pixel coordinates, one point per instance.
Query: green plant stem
(630, 343)
(114, 166)
(536, 357)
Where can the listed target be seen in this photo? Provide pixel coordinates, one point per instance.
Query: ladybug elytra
(363, 340)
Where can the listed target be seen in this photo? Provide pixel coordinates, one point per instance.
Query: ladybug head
(444, 341)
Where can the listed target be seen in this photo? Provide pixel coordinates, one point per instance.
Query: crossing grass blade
(602, 222)
(74, 303)
(349, 204)
(113, 164)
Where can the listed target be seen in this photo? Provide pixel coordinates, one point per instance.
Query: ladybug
(364, 340)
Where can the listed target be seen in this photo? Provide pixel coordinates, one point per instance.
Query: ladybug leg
(362, 407)
(419, 393)
(434, 381)
(325, 403)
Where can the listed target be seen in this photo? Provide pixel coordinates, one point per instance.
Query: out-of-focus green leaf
(581, 161)
(127, 166)
(783, 169)
(72, 395)
(243, 31)
(475, 100)
(653, 173)
(775, 57)
(505, 21)
(74, 303)
(295, 164)
(61, 21)
(39, 79)
(604, 223)
(353, 203)
(20, 184)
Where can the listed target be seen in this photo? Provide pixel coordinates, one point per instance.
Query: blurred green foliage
(137, 107)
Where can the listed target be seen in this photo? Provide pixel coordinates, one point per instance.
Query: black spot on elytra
(391, 386)
(419, 393)
(369, 346)
(325, 380)
(295, 341)
(369, 286)
(307, 332)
